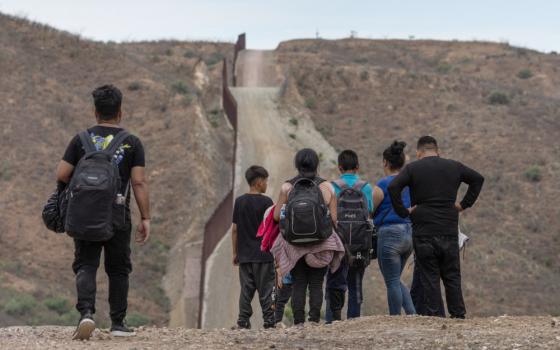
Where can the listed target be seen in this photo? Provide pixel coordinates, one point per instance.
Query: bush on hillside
(58, 305)
(134, 86)
(524, 74)
(361, 60)
(180, 87)
(190, 54)
(498, 98)
(311, 103)
(533, 173)
(20, 305)
(364, 76)
(214, 59)
(444, 68)
(137, 320)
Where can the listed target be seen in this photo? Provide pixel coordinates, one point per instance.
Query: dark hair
(426, 143)
(307, 162)
(394, 155)
(348, 160)
(107, 100)
(255, 172)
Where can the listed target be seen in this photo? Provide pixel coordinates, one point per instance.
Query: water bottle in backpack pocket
(92, 192)
(307, 217)
(353, 223)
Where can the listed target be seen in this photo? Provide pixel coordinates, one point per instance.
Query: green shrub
(6, 172)
(137, 320)
(288, 315)
(215, 116)
(498, 98)
(180, 87)
(58, 304)
(444, 68)
(69, 318)
(134, 86)
(169, 52)
(188, 100)
(533, 173)
(361, 60)
(292, 136)
(525, 74)
(190, 54)
(364, 76)
(20, 305)
(294, 121)
(214, 59)
(311, 103)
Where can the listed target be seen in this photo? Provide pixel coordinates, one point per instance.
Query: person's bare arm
(282, 199)
(378, 197)
(140, 188)
(332, 202)
(64, 171)
(235, 260)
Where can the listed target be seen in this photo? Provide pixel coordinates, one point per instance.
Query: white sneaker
(85, 328)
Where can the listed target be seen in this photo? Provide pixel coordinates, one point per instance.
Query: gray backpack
(92, 192)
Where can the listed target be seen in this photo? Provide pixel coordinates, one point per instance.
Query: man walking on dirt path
(433, 183)
(128, 156)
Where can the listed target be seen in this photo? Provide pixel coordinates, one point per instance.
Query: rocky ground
(378, 332)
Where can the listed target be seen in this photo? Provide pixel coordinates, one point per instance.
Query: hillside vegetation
(492, 106)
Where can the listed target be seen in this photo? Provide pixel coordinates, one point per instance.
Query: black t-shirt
(248, 214)
(129, 155)
(433, 183)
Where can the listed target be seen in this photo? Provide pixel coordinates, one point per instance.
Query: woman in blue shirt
(394, 242)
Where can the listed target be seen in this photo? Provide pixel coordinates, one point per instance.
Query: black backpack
(353, 224)
(92, 192)
(307, 218)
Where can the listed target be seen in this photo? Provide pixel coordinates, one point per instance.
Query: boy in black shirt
(256, 268)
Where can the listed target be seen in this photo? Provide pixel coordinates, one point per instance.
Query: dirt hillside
(492, 106)
(172, 102)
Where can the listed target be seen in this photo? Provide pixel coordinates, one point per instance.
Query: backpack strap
(86, 141)
(359, 185)
(116, 142)
(341, 184)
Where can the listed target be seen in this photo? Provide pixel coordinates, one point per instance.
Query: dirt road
(376, 332)
(264, 138)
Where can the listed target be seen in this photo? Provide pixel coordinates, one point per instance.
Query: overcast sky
(529, 23)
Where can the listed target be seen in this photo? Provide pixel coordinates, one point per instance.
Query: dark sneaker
(120, 329)
(85, 328)
(242, 324)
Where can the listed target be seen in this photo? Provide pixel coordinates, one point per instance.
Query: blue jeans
(394, 246)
